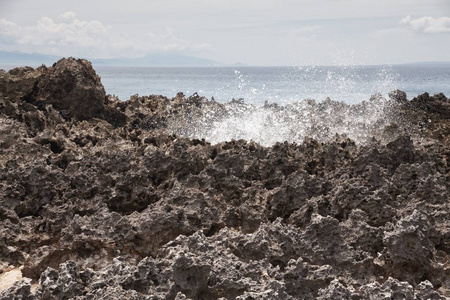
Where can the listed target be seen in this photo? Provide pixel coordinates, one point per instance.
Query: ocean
(295, 117)
(282, 85)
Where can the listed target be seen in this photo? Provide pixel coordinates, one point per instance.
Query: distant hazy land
(169, 59)
(155, 59)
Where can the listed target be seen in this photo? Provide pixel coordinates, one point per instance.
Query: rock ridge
(109, 199)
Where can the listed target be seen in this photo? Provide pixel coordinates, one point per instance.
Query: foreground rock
(104, 199)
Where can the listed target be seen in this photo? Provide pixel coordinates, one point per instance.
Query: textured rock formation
(71, 86)
(103, 199)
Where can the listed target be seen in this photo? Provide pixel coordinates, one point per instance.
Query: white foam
(293, 122)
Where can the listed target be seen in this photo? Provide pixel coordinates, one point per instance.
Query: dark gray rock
(21, 290)
(102, 199)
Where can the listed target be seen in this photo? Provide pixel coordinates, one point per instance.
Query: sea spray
(196, 117)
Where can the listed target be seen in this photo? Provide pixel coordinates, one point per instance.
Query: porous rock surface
(104, 199)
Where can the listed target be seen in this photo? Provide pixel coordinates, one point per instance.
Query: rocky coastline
(109, 199)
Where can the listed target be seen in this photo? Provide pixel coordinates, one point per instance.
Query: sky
(253, 32)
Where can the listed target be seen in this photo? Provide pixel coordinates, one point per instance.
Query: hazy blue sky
(255, 32)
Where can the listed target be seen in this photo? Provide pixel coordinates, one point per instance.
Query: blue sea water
(283, 85)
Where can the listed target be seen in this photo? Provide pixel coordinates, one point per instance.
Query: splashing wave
(197, 117)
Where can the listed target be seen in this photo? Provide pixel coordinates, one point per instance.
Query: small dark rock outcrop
(71, 86)
(104, 199)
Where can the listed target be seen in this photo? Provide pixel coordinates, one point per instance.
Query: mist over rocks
(143, 199)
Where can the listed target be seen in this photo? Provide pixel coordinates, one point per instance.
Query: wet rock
(398, 96)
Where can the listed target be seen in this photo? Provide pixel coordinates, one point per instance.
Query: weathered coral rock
(71, 86)
(104, 199)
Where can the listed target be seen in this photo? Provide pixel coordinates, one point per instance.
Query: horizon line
(214, 63)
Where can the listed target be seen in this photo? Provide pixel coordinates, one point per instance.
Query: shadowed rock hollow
(104, 199)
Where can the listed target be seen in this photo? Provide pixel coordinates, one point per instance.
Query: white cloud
(48, 35)
(67, 16)
(8, 29)
(253, 32)
(71, 36)
(427, 24)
